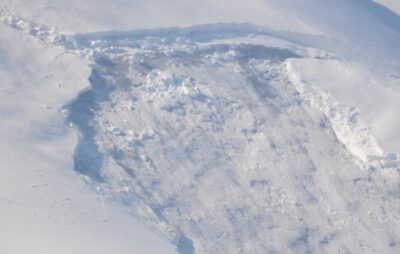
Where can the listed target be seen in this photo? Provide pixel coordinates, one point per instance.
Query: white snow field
(44, 206)
(393, 5)
(189, 127)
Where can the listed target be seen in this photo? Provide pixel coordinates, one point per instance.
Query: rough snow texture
(235, 138)
(44, 206)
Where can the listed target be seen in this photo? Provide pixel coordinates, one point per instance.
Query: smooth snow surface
(278, 135)
(393, 5)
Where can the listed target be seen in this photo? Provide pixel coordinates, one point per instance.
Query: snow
(393, 5)
(44, 206)
(103, 15)
(152, 127)
(375, 95)
(191, 137)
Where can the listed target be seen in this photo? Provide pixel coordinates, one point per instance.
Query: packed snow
(44, 206)
(267, 127)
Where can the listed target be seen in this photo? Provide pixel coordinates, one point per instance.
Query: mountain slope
(226, 138)
(44, 206)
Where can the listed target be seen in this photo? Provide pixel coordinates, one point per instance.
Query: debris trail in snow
(216, 143)
(180, 121)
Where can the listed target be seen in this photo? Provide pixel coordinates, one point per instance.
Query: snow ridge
(347, 124)
(42, 32)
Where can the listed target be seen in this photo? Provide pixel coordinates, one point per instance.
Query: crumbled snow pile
(235, 138)
(185, 128)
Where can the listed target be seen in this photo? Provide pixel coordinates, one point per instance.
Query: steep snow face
(226, 138)
(362, 31)
(373, 97)
(213, 142)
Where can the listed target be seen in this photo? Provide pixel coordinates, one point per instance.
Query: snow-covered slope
(278, 137)
(393, 5)
(44, 207)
